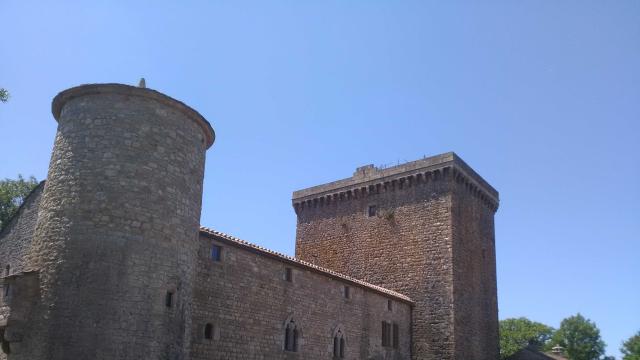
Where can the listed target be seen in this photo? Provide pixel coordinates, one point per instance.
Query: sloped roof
(530, 353)
(307, 265)
(270, 253)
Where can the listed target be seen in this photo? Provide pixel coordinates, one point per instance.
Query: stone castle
(107, 258)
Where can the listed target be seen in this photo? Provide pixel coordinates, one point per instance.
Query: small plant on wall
(389, 215)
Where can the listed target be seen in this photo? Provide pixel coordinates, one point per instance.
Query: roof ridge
(320, 269)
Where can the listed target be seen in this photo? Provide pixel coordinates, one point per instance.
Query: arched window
(291, 336)
(338, 345)
(208, 331)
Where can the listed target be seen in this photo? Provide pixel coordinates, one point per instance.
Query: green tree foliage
(516, 334)
(4, 95)
(631, 348)
(12, 194)
(580, 338)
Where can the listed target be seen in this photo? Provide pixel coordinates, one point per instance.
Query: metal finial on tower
(142, 83)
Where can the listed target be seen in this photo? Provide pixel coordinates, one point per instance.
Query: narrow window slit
(372, 210)
(291, 337)
(216, 253)
(168, 299)
(396, 336)
(208, 331)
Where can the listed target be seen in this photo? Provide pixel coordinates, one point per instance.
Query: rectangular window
(216, 253)
(372, 210)
(396, 336)
(291, 337)
(288, 274)
(389, 305)
(386, 334)
(208, 330)
(347, 292)
(168, 300)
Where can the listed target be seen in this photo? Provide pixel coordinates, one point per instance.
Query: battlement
(369, 179)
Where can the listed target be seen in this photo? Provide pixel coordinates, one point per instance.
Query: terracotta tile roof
(264, 251)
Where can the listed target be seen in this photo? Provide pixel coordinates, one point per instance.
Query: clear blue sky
(542, 98)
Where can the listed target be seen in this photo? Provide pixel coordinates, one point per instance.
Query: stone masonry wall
(475, 292)
(405, 247)
(117, 227)
(15, 238)
(427, 240)
(248, 301)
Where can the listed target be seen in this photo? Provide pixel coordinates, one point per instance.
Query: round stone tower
(116, 240)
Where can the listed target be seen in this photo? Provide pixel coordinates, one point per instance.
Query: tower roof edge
(114, 88)
(369, 175)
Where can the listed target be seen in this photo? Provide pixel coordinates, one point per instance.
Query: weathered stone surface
(247, 299)
(95, 252)
(118, 227)
(15, 241)
(16, 237)
(429, 238)
(474, 281)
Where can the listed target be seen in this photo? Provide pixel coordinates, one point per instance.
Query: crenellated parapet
(369, 180)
